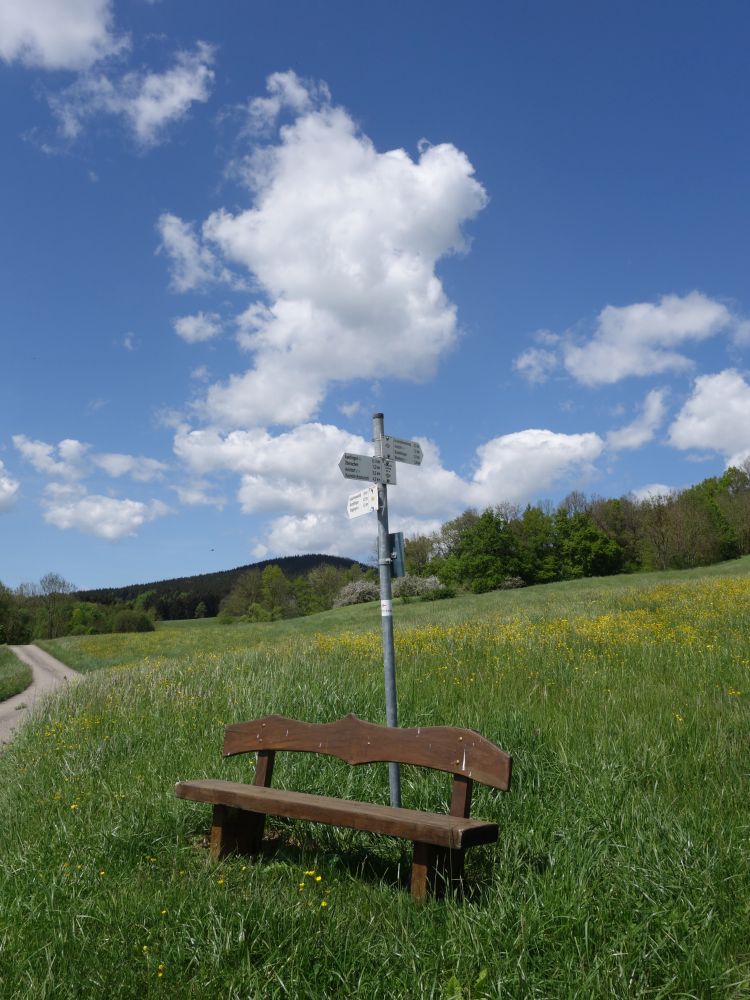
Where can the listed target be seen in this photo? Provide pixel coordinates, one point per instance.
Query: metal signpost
(380, 468)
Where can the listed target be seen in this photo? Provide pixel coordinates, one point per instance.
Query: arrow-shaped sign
(400, 450)
(368, 467)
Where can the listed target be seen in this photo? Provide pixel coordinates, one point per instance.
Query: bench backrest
(461, 752)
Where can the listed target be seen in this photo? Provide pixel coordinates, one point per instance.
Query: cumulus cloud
(52, 35)
(643, 428)
(198, 494)
(654, 491)
(523, 465)
(193, 264)
(9, 488)
(42, 456)
(71, 460)
(67, 506)
(297, 472)
(536, 364)
(285, 91)
(342, 241)
(195, 329)
(716, 417)
(639, 339)
(147, 101)
(136, 466)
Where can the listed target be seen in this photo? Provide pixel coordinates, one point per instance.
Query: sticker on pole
(362, 502)
(386, 609)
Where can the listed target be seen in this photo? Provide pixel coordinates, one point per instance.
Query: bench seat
(454, 832)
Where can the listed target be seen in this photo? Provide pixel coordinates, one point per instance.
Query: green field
(623, 866)
(14, 675)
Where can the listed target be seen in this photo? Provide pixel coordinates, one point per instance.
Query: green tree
(277, 593)
(324, 582)
(54, 593)
(583, 549)
(484, 555)
(247, 590)
(535, 540)
(419, 550)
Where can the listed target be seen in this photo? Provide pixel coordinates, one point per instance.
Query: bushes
(357, 592)
(132, 621)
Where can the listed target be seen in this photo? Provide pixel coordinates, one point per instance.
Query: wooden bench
(439, 840)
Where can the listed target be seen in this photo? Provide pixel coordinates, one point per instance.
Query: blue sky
(231, 232)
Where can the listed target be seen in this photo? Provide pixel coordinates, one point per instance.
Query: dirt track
(48, 673)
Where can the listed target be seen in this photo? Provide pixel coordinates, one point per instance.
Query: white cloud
(285, 91)
(69, 507)
(198, 493)
(530, 463)
(343, 242)
(536, 364)
(195, 329)
(297, 473)
(136, 466)
(350, 409)
(716, 417)
(148, 102)
(41, 456)
(193, 263)
(9, 488)
(643, 428)
(639, 339)
(75, 460)
(51, 35)
(654, 491)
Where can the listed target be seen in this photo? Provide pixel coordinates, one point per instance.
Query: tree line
(506, 545)
(53, 607)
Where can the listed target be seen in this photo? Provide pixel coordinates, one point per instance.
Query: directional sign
(362, 502)
(400, 450)
(368, 467)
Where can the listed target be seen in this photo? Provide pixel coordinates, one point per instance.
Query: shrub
(511, 583)
(357, 592)
(414, 586)
(132, 621)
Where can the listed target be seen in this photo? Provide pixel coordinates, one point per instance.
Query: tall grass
(622, 866)
(14, 675)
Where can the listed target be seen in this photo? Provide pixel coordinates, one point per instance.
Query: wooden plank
(461, 795)
(459, 751)
(422, 870)
(410, 824)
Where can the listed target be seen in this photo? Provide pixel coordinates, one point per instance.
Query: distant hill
(179, 597)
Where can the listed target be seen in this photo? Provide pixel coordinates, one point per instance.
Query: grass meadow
(14, 675)
(623, 865)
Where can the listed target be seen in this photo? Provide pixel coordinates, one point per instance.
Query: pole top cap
(375, 416)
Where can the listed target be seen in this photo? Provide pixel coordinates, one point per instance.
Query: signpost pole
(386, 609)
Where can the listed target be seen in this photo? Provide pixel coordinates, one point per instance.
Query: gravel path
(48, 674)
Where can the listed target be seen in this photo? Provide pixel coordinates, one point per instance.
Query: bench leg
(235, 831)
(423, 870)
(435, 869)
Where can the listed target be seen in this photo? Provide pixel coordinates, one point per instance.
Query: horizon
(233, 234)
